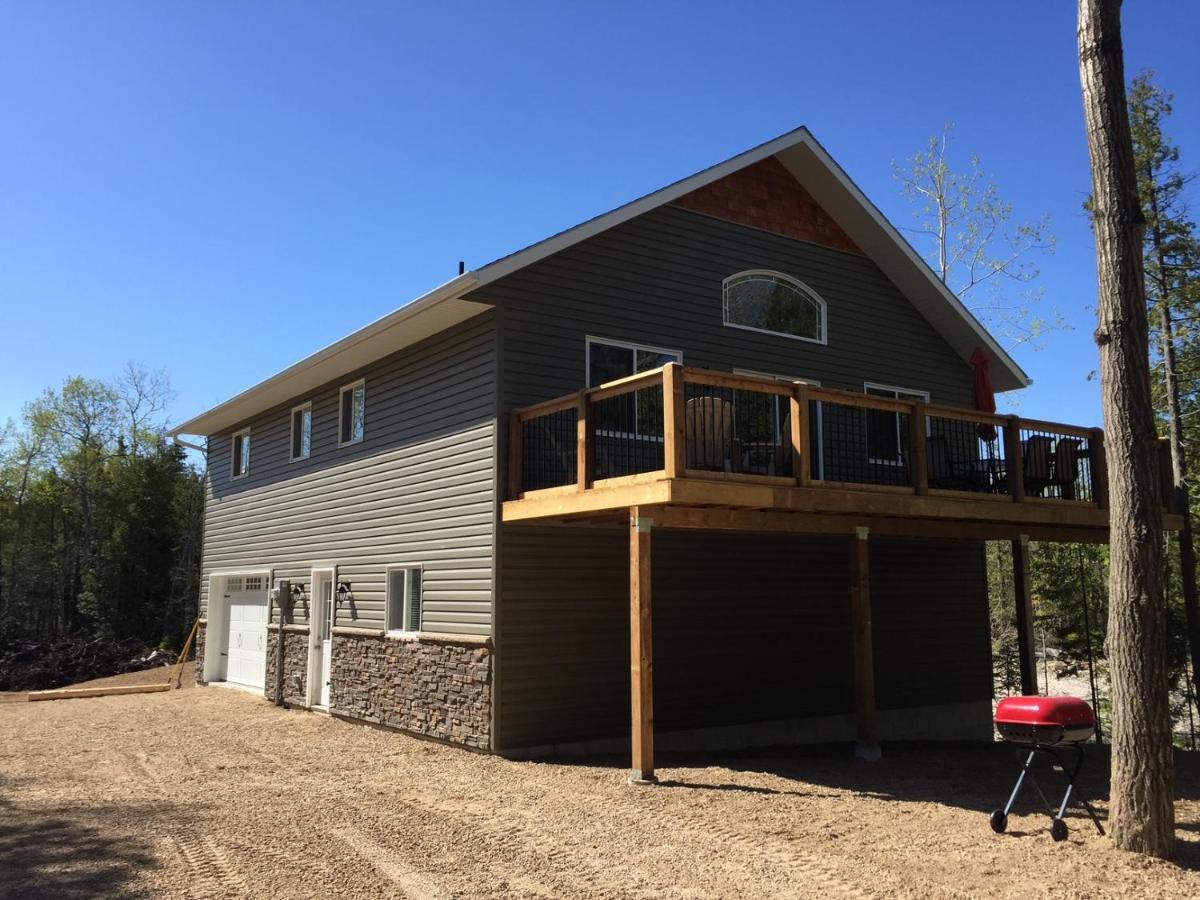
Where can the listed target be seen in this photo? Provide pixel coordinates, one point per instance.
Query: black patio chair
(1036, 456)
(1066, 466)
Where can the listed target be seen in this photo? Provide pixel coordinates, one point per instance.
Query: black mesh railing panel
(627, 433)
(736, 430)
(1056, 465)
(548, 444)
(865, 446)
(966, 456)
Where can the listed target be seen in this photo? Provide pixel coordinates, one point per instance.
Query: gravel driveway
(214, 792)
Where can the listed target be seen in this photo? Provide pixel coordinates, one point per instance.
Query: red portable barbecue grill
(1051, 726)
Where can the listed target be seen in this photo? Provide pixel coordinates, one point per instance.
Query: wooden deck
(678, 448)
(707, 450)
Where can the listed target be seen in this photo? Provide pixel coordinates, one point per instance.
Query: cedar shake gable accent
(765, 195)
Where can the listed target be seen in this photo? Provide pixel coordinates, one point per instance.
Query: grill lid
(1061, 711)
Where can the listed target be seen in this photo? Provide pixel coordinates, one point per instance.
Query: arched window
(775, 303)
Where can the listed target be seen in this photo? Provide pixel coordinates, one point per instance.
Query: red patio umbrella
(985, 395)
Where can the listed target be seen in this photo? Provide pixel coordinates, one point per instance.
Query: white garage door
(246, 662)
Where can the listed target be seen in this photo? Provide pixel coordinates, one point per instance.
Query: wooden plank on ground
(80, 693)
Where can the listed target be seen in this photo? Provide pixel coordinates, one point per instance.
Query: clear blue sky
(221, 188)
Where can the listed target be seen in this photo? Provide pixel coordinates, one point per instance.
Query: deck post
(641, 650)
(1099, 469)
(516, 451)
(583, 443)
(1014, 463)
(1022, 591)
(918, 450)
(674, 412)
(801, 444)
(866, 732)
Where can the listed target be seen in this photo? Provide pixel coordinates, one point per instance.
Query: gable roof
(446, 305)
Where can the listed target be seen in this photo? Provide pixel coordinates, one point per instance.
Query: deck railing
(677, 422)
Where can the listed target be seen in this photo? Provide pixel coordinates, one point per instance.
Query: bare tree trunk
(1141, 813)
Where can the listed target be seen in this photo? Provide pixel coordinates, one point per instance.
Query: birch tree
(972, 241)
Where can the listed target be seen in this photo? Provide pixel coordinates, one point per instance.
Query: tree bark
(1141, 799)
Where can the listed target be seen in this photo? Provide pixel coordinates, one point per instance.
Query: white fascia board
(427, 315)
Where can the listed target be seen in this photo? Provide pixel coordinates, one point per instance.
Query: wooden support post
(801, 452)
(583, 443)
(867, 745)
(1166, 477)
(284, 604)
(1099, 465)
(641, 649)
(516, 450)
(918, 450)
(674, 422)
(1014, 461)
(1022, 591)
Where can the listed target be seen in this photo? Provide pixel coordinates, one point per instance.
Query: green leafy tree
(973, 242)
(100, 517)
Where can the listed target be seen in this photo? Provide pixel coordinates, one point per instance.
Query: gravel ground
(214, 792)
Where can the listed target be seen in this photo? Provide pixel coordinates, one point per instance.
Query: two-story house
(711, 464)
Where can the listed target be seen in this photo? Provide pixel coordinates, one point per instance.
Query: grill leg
(1020, 781)
(1078, 797)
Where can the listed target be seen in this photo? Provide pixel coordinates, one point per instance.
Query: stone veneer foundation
(295, 664)
(199, 647)
(438, 687)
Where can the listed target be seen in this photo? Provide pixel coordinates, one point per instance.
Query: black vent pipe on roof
(462, 267)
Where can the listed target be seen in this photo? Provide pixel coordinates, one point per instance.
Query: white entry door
(246, 659)
(322, 639)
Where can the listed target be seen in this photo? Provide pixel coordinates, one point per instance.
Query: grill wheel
(999, 821)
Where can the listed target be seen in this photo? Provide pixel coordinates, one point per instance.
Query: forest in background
(1070, 583)
(101, 521)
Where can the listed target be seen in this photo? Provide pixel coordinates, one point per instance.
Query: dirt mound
(34, 666)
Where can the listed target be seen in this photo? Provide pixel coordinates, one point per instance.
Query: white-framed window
(352, 413)
(608, 360)
(235, 583)
(301, 439)
(773, 303)
(241, 453)
(884, 439)
(403, 615)
(782, 410)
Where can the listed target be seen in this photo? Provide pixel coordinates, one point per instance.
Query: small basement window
(404, 599)
(241, 453)
(773, 303)
(352, 413)
(302, 431)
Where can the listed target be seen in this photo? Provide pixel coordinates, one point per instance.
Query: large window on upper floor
(773, 303)
(608, 360)
(887, 444)
(637, 414)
